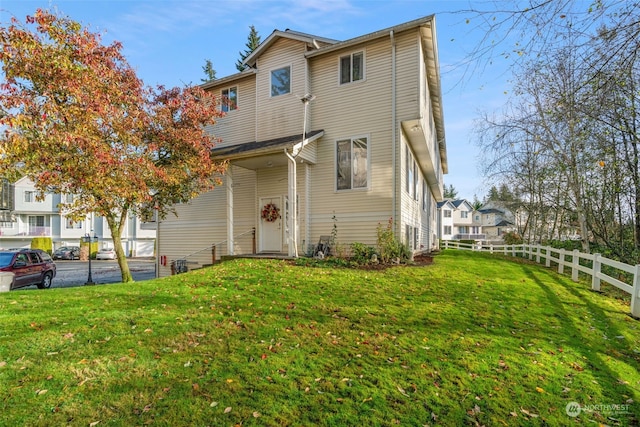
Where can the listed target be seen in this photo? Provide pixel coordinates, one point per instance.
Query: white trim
(335, 163)
(290, 66)
(364, 67)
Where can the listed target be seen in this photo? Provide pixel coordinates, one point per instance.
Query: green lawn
(472, 339)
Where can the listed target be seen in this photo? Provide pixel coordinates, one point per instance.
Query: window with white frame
(281, 81)
(464, 214)
(352, 67)
(29, 196)
(412, 236)
(425, 202)
(352, 163)
(463, 229)
(447, 229)
(447, 213)
(411, 182)
(68, 198)
(70, 224)
(229, 99)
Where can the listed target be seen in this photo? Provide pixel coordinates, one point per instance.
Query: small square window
(281, 81)
(352, 68)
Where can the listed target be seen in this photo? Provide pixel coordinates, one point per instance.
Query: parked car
(29, 266)
(67, 252)
(106, 253)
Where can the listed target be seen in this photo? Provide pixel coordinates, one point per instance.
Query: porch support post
(293, 247)
(229, 188)
(307, 207)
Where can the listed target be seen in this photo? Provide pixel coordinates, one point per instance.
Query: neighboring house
(445, 219)
(32, 217)
(496, 221)
(459, 221)
(320, 134)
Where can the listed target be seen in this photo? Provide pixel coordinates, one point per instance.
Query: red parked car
(30, 266)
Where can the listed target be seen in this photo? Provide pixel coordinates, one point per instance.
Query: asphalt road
(76, 273)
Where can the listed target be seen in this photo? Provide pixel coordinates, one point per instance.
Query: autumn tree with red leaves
(77, 120)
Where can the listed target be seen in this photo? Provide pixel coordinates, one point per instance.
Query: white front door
(271, 228)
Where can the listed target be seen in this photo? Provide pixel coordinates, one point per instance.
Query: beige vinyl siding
(232, 128)
(361, 108)
(411, 208)
(202, 223)
(413, 93)
(281, 115)
(408, 85)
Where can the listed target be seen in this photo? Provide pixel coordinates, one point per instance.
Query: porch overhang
(268, 153)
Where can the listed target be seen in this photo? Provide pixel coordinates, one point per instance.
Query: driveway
(76, 273)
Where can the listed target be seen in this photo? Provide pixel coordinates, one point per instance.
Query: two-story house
(32, 216)
(322, 135)
(459, 221)
(496, 221)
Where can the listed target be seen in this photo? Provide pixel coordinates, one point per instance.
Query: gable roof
(314, 42)
(445, 202)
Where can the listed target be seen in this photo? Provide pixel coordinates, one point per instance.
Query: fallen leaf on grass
(576, 367)
(213, 404)
(256, 414)
(476, 410)
(227, 409)
(3, 363)
(93, 424)
(530, 414)
(539, 390)
(41, 392)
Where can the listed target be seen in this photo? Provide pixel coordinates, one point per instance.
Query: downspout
(394, 142)
(229, 188)
(293, 238)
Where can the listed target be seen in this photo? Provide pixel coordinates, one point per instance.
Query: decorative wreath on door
(270, 212)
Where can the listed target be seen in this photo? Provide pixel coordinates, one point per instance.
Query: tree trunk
(116, 227)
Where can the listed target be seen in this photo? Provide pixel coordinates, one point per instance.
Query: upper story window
(352, 163)
(229, 99)
(447, 213)
(464, 214)
(352, 67)
(281, 81)
(31, 196)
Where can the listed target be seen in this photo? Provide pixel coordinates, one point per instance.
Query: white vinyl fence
(573, 260)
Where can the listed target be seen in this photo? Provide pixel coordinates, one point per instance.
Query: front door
(271, 224)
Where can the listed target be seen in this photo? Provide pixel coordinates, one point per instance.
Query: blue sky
(168, 42)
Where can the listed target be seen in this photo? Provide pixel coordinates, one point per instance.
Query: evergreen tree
(450, 192)
(253, 40)
(209, 71)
